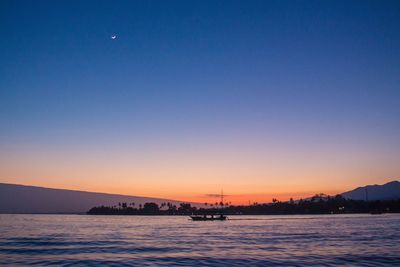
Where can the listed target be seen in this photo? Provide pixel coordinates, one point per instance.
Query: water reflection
(365, 240)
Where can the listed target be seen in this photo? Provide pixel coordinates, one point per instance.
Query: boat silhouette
(211, 217)
(219, 217)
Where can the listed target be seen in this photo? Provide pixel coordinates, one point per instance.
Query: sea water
(320, 240)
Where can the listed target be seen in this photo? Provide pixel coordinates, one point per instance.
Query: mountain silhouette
(32, 199)
(388, 191)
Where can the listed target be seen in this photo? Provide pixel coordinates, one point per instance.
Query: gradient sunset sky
(261, 98)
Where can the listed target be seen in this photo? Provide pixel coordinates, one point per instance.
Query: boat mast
(222, 197)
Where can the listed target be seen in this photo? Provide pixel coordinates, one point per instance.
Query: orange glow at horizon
(245, 173)
(247, 199)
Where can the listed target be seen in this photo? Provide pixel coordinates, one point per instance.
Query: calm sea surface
(352, 240)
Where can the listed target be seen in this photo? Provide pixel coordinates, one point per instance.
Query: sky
(261, 98)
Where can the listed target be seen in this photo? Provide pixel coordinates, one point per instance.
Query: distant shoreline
(316, 205)
(179, 215)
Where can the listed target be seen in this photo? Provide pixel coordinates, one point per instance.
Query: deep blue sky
(304, 75)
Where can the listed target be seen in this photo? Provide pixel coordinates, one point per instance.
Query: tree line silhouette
(318, 204)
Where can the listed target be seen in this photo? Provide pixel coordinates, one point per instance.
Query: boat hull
(208, 218)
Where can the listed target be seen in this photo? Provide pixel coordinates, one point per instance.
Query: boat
(211, 217)
(219, 217)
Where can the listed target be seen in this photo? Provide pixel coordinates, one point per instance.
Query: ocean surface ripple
(320, 240)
